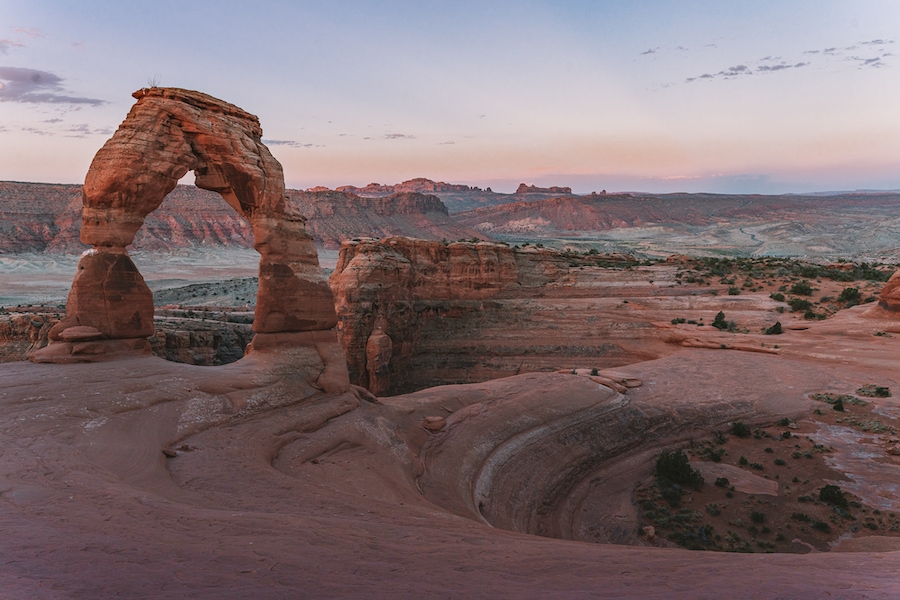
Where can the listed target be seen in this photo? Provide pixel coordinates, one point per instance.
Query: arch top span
(168, 132)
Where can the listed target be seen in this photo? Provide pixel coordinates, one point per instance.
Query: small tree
(675, 468)
(832, 494)
(719, 322)
(802, 288)
(775, 329)
(850, 295)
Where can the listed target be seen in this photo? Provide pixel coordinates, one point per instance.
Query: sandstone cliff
(406, 289)
(36, 217)
(336, 216)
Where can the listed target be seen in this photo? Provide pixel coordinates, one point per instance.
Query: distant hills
(46, 218)
(38, 217)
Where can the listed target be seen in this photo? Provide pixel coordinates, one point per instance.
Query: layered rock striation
(389, 292)
(889, 299)
(168, 132)
(44, 218)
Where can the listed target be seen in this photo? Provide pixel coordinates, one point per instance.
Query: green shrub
(741, 430)
(733, 291)
(802, 288)
(722, 482)
(832, 494)
(799, 304)
(758, 517)
(821, 526)
(674, 467)
(774, 329)
(719, 322)
(874, 391)
(777, 296)
(850, 295)
(802, 517)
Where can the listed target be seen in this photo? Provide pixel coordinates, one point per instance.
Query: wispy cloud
(37, 87)
(35, 131)
(876, 60)
(289, 143)
(33, 32)
(445, 143)
(741, 70)
(650, 51)
(6, 45)
(780, 67)
(398, 136)
(83, 130)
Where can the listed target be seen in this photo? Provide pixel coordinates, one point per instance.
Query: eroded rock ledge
(387, 292)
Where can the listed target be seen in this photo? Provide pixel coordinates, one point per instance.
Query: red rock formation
(889, 299)
(334, 217)
(553, 189)
(168, 132)
(405, 286)
(38, 217)
(419, 184)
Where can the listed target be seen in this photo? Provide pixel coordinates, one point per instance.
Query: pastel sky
(721, 96)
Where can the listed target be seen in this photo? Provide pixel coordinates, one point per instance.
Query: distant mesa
(533, 189)
(419, 184)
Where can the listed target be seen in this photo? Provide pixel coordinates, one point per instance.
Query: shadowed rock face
(391, 293)
(890, 295)
(168, 132)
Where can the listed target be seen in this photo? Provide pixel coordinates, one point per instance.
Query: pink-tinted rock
(889, 299)
(108, 295)
(379, 349)
(168, 132)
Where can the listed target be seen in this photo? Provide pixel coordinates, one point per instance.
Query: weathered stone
(109, 296)
(168, 132)
(889, 299)
(379, 349)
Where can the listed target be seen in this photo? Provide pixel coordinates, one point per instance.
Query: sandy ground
(330, 496)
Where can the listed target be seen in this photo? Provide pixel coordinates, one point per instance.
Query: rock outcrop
(334, 217)
(405, 288)
(532, 189)
(168, 132)
(37, 217)
(23, 333)
(889, 299)
(419, 184)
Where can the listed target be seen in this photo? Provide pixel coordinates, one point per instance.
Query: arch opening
(168, 133)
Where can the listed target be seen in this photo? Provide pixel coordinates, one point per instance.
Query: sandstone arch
(168, 132)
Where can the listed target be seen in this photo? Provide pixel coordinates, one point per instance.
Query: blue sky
(658, 96)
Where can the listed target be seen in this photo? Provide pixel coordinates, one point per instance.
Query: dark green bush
(799, 304)
(777, 296)
(832, 494)
(758, 517)
(802, 288)
(675, 468)
(719, 322)
(874, 391)
(774, 329)
(741, 430)
(850, 295)
(722, 482)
